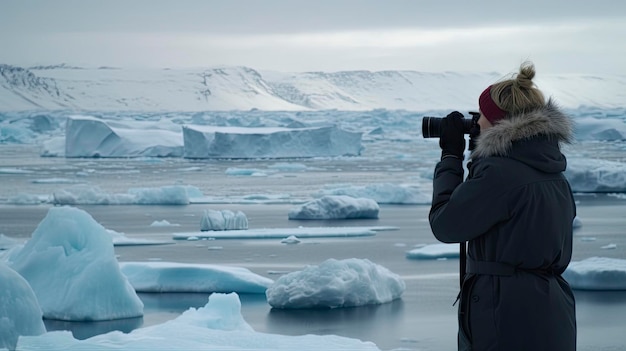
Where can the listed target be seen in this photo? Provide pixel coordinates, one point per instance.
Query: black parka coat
(515, 210)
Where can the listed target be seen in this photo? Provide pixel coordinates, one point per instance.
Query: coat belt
(499, 268)
(489, 268)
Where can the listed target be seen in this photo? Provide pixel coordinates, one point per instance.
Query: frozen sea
(423, 319)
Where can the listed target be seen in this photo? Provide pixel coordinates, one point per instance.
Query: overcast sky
(560, 36)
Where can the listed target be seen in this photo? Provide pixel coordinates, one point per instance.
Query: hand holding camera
(452, 141)
(450, 130)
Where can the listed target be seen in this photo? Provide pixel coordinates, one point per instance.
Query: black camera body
(431, 126)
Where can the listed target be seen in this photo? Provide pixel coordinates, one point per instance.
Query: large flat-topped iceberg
(269, 142)
(92, 137)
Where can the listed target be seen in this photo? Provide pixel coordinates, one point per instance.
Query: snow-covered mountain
(21, 88)
(64, 87)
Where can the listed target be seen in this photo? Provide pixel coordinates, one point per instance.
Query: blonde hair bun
(525, 76)
(519, 94)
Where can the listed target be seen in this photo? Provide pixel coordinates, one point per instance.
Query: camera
(431, 126)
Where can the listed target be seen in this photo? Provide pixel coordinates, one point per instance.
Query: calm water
(424, 319)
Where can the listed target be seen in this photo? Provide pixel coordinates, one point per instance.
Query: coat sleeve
(462, 211)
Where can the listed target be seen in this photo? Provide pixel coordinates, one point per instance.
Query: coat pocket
(465, 335)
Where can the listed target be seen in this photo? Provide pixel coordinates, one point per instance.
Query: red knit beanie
(488, 107)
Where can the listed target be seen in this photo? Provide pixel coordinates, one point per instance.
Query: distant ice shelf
(269, 142)
(87, 136)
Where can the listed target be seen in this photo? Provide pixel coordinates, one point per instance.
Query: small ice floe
(277, 272)
(8, 242)
(385, 193)
(245, 172)
(597, 273)
(288, 167)
(94, 195)
(120, 239)
(609, 247)
(577, 223)
(223, 220)
(292, 239)
(336, 207)
(11, 170)
(28, 199)
(190, 169)
(588, 238)
(164, 223)
(186, 277)
(54, 181)
(281, 233)
(266, 198)
(434, 252)
(215, 248)
(336, 283)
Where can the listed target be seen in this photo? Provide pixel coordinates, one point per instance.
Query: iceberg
(19, 311)
(269, 142)
(588, 175)
(70, 258)
(591, 128)
(92, 137)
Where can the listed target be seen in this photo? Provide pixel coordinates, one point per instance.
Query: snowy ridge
(243, 88)
(21, 87)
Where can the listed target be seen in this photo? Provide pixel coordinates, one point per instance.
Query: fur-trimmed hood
(546, 121)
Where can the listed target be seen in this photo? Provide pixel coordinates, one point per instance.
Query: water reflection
(84, 330)
(180, 302)
(595, 297)
(362, 322)
(172, 302)
(600, 309)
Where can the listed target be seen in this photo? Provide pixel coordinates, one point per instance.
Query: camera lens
(431, 126)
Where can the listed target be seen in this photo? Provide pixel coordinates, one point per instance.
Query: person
(515, 210)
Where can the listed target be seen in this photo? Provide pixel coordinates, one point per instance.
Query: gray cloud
(563, 36)
(279, 16)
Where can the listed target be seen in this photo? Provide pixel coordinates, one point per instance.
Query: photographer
(515, 210)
